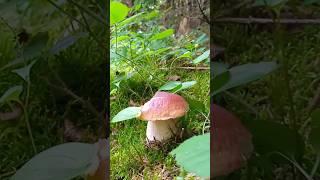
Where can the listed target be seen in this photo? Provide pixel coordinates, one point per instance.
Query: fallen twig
(252, 20)
(189, 68)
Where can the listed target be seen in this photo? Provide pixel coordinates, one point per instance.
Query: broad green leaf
(185, 55)
(187, 85)
(132, 19)
(62, 162)
(120, 38)
(202, 57)
(171, 85)
(24, 72)
(9, 13)
(12, 94)
(218, 68)
(12, 63)
(32, 50)
(161, 50)
(162, 34)
(220, 80)
(36, 46)
(247, 73)
(194, 155)
(264, 140)
(314, 136)
(118, 12)
(126, 114)
(66, 42)
(202, 39)
(151, 15)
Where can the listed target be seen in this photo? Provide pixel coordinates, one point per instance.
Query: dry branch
(252, 20)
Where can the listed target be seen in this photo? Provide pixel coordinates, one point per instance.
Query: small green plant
(144, 50)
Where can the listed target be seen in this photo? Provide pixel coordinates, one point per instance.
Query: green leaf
(132, 19)
(202, 39)
(247, 73)
(118, 12)
(24, 72)
(162, 34)
(314, 136)
(171, 85)
(187, 85)
(175, 86)
(219, 81)
(202, 57)
(151, 15)
(120, 38)
(32, 50)
(126, 114)
(286, 141)
(218, 68)
(12, 94)
(63, 162)
(194, 155)
(66, 42)
(35, 47)
(185, 55)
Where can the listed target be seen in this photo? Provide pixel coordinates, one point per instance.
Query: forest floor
(269, 98)
(130, 157)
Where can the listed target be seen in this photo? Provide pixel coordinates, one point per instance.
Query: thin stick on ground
(189, 68)
(252, 20)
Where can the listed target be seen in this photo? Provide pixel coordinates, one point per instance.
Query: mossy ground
(130, 157)
(269, 98)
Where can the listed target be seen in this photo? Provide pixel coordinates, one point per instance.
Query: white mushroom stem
(161, 130)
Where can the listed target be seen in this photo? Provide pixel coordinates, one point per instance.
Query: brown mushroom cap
(231, 142)
(164, 106)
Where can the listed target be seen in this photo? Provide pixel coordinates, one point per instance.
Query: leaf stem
(316, 165)
(26, 118)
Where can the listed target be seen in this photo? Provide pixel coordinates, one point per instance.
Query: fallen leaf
(174, 78)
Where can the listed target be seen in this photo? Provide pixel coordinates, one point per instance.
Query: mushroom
(162, 112)
(100, 171)
(231, 142)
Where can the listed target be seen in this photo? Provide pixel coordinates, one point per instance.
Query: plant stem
(297, 166)
(316, 165)
(252, 20)
(96, 17)
(26, 118)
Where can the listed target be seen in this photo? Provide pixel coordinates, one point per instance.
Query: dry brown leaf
(132, 103)
(71, 132)
(174, 78)
(14, 114)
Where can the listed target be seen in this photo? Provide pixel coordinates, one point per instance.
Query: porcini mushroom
(101, 172)
(162, 112)
(231, 142)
